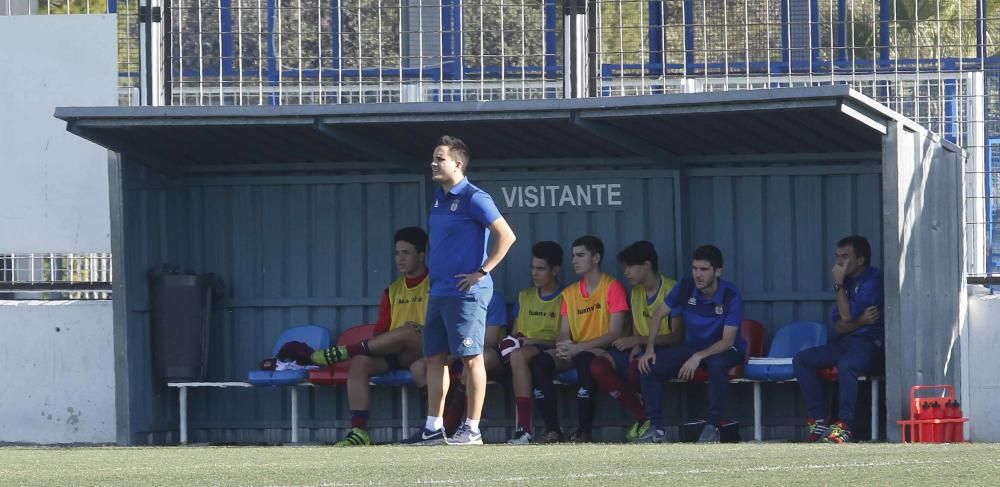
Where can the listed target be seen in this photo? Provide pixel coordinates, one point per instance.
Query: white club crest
(435, 203)
(693, 301)
(467, 342)
(454, 205)
(718, 309)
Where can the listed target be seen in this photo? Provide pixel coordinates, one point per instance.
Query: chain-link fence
(62, 275)
(238, 52)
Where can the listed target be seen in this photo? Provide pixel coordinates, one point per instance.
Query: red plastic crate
(933, 418)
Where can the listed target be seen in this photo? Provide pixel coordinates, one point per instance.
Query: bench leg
(404, 406)
(758, 434)
(182, 392)
(295, 414)
(875, 401)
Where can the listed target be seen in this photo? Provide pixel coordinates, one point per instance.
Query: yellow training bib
(642, 309)
(408, 303)
(536, 318)
(588, 317)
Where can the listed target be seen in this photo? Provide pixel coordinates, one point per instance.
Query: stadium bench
(777, 367)
(315, 336)
(182, 388)
(752, 331)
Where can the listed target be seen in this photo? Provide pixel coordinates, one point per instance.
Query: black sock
(585, 394)
(542, 370)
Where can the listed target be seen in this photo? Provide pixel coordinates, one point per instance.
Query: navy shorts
(456, 325)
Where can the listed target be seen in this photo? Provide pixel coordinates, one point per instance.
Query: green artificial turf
(744, 464)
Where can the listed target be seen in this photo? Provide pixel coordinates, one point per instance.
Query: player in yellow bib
(593, 313)
(537, 321)
(617, 373)
(398, 341)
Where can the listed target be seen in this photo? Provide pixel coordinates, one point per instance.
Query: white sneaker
(465, 436)
(521, 437)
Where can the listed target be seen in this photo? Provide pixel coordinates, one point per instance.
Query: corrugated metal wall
(777, 228)
(297, 249)
(291, 249)
(619, 207)
(926, 300)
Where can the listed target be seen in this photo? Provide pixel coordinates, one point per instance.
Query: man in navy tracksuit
(713, 313)
(858, 348)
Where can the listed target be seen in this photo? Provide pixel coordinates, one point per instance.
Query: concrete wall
(981, 393)
(57, 357)
(55, 192)
(59, 372)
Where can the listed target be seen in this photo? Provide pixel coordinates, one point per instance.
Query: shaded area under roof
(814, 120)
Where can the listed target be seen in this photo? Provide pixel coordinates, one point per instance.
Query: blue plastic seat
(399, 377)
(788, 341)
(317, 337)
(568, 376)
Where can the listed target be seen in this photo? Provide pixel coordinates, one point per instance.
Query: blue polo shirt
(459, 232)
(705, 316)
(863, 292)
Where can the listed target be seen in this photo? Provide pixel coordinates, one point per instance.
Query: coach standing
(461, 221)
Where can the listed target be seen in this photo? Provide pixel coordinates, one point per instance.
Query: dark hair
(860, 245)
(592, 244)
(413, 235)
(710, 253)
(457, 148)
(640, 252)
(549, 251)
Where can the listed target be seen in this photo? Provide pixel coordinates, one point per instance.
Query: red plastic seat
(753, 332)
(337, 374)
(829, 374)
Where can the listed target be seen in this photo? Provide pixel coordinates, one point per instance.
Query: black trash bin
(181, 311)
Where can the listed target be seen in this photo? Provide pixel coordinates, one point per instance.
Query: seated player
(858, 348)
(398, 340)
(536, 326)
(713, 313)
(617, 373)
(593, 313)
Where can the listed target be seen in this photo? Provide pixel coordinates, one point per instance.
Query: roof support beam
(128, 150)
(623, 139)
(372, 148)
(864, 118)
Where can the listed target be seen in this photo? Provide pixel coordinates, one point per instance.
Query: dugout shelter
(295, 208)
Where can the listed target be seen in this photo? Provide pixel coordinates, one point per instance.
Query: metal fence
(936, 61)
(69, 276)
(362, 51)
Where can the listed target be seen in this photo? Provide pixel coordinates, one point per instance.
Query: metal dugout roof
(685, 128)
